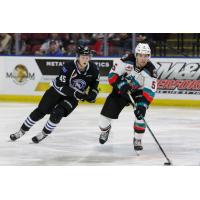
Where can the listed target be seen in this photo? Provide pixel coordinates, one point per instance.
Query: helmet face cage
(143, 48)
(83, 50)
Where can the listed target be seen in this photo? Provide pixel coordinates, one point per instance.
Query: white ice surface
(75, 140)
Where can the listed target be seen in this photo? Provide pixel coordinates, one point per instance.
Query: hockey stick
(168, 160)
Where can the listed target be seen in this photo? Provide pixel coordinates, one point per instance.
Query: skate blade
(137, 153)
(11, 140)
(32, 143)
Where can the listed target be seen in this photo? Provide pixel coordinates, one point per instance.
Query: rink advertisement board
(50, 67)
(178, 78)
(19, 76)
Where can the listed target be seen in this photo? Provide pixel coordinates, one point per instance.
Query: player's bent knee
(69, 106)
(37, 114)
(57, 114)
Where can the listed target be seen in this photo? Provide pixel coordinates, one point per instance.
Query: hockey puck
(167, 163)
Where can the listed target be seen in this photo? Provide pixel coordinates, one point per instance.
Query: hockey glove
(92, 95)
(80, 95)
(140, 112)
(124, 87)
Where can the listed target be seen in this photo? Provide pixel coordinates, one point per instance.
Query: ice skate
(103, 137)
(137, 146)
(17, 135)
(38, 138)
(104, 134)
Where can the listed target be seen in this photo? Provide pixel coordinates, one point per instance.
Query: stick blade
(168, 163)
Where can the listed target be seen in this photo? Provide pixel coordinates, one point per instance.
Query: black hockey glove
(140, 112)
(92, 95)
(80, 95)
(124, 87)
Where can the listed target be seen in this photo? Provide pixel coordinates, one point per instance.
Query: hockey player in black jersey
(63, 97)
(136, 74)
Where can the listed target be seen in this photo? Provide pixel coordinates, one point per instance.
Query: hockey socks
(49, 127)
(27, 124)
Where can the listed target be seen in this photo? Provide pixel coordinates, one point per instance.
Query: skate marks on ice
(75, 140)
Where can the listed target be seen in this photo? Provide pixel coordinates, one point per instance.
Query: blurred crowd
(64, 44)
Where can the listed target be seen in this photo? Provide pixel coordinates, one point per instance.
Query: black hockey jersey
(71, 79)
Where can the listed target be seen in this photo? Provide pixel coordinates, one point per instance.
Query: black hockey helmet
(83, 50)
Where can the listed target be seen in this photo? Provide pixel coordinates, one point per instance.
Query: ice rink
(75, 140)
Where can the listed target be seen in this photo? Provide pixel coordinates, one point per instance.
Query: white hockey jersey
(143, 80)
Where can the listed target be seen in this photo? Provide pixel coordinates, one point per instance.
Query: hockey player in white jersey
(137, 75)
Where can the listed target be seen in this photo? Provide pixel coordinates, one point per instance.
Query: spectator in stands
(75, 37)
(125, 42)
(152, 37)
(54, 49)
(5, 43)
(22, 47)
(66, 41)
(114, 44)
(70, 50)
(56, 37)
(45, 46)
(85, 39)
(141, 38)
(119, 44)
(154, 40)
(98, 43)
(69, 45)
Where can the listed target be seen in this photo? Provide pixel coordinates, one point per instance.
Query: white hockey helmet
(143, 48)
